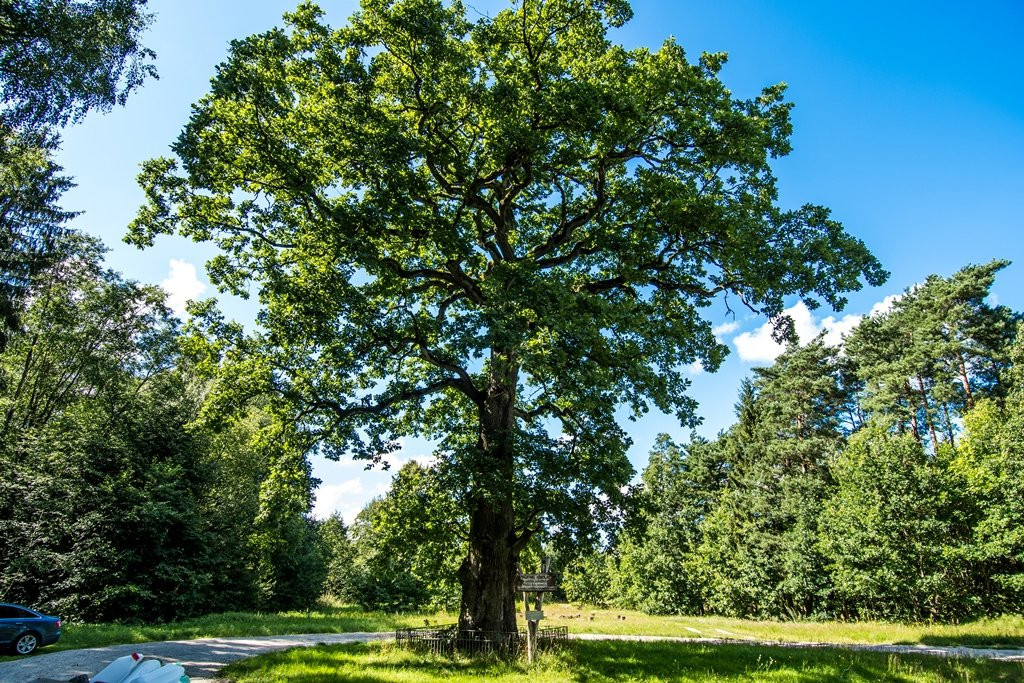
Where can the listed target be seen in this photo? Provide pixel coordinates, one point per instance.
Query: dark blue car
(23, 629)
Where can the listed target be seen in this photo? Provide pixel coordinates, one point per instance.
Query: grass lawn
(596, 662)
(335, 618)
(328, 618)
(1003, 632)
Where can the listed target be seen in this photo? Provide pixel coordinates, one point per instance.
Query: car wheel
(26, 644)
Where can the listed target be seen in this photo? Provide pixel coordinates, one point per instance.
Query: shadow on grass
(990, 642)
(610, 661)
(621, 660)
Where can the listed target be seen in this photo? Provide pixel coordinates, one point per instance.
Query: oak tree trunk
(488, 573)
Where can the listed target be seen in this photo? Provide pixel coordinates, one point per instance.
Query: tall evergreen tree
(918, 525)
(938, 350)
(760, 543)
(31, 220)
(337, 544)
(59, 59)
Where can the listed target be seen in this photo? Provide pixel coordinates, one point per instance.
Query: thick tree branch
(344, 412)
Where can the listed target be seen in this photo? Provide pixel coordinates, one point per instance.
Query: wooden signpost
(538, 584)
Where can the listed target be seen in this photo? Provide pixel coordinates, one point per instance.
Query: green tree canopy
(990, 466)
(31, 220)
(60, 59)
(490, 233)
(888, 530)
(659, 567)
(941, 346)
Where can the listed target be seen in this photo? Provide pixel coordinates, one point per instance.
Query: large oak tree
(491, 233)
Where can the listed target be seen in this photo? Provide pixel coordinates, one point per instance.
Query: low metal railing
(448, 639)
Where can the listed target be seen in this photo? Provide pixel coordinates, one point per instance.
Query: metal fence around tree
(447, 640)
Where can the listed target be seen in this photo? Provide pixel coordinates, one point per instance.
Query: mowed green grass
(328, 618)
(618, 661)
(331, 617)
(1001, 632)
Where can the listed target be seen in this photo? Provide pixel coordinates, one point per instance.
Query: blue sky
(909, 125)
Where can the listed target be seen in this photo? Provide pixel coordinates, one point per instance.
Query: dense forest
(881, 479)
(119, 497)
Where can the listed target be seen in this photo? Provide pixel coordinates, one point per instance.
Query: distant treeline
(120, 498)
(882, 479)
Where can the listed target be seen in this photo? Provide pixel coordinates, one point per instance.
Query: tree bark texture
(965, 380)
(489, 571)
(928, 414)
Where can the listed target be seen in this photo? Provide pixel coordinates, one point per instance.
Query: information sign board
(536, 583)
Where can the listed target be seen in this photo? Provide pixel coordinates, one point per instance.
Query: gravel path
(203, 657)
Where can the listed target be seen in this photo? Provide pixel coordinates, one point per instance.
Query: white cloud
(725, 328)
(329, 498)
(349, 464)
(398, 459)
(405, 454)
(695, 368)
(885, 305)
(348, 498)
(836, 330)
(758, 346)
(181, 284)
